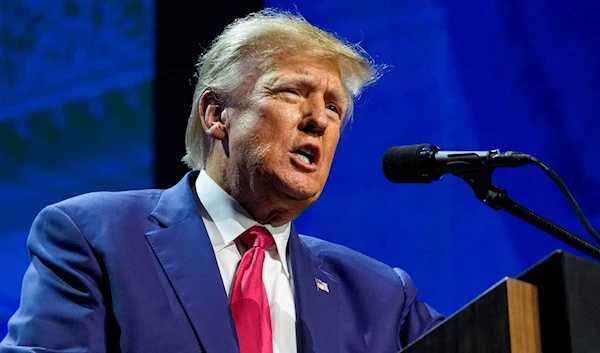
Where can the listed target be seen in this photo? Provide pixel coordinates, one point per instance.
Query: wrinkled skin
(299, 103)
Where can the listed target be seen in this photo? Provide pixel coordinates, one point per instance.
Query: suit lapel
(187, 257)
(316, 310)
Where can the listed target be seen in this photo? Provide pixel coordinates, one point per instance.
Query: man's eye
(290, 91)
(333, 108)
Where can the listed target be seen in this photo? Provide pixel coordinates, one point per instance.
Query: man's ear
(212, 115)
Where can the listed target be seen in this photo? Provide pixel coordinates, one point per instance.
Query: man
(214, 264)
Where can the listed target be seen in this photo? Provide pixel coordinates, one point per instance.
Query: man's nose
(314, 116)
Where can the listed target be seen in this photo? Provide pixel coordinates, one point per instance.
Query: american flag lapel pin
(322, 286)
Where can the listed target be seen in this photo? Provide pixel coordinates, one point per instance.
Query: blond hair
(248, 47)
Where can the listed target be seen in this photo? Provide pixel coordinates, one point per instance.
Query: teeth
(303, 158)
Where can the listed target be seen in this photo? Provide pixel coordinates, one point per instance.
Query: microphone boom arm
(497, 198)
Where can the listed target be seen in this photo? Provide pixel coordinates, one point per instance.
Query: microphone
(426, 163)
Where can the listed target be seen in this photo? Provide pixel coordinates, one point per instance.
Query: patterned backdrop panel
(76, 83)
(472, 75)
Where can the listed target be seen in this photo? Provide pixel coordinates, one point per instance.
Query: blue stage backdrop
(75, 112)
(464, 75)
(75, 117)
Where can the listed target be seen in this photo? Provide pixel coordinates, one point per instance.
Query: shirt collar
(231, 219)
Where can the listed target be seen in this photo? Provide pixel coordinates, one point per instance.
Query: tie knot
(257, 236)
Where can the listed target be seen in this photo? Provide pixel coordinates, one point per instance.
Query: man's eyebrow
(295, 79)
(338, 94)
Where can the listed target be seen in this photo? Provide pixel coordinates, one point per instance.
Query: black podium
(552, 307)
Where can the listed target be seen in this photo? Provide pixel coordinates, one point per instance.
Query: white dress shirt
(225, 220)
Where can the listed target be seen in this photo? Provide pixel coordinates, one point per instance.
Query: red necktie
(249, 302)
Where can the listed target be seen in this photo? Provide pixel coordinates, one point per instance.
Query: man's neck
(266, 207)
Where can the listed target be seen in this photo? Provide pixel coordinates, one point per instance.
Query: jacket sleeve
(61, 307)
(417, 317)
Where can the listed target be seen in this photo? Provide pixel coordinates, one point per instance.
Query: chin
(301, 188)
(303, 195)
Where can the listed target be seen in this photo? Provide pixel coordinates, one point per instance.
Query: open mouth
(304, 156)
(307, 154)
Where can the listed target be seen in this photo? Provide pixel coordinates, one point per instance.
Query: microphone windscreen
(405, 164)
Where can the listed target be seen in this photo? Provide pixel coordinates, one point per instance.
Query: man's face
(282, 139)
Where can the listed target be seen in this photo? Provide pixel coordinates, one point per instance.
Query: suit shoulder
(107, 220)
(106, 215)
(111, 202)
(340, 259)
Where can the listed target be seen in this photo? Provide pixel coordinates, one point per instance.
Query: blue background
(75, 116)
(474, 75)
(75, 112)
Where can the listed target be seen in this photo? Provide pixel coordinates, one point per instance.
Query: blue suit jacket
(135, 272)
